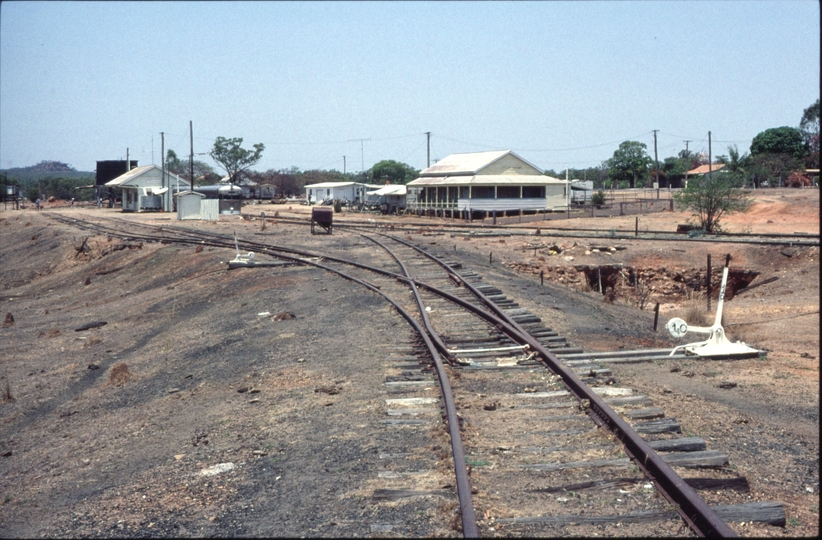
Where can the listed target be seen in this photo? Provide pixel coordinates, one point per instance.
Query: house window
(482, 192)
(533, 192)
(508, 192)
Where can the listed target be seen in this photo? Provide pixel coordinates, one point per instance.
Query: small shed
(188, 205)
(146, 189)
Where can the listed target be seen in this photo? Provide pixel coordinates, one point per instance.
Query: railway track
(518, 415)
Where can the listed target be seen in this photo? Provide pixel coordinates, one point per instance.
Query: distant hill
(46, 169)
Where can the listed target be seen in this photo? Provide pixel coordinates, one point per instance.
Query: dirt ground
(107, 431)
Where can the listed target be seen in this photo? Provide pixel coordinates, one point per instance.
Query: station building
(485, 182)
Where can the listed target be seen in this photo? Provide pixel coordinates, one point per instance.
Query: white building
(350, 192)
(144, 189)
(485, 182)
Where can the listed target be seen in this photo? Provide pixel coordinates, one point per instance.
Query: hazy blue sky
(560, 83)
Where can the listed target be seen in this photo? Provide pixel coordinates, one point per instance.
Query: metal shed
(188, 205)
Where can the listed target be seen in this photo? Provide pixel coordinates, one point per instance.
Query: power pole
(656, 168)
(362, 151)
(688, 156)
(343, 164)
(710, 164)
(162, 154)
(191, 156)
(428, 139)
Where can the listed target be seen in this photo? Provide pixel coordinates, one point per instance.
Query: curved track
(459, 321)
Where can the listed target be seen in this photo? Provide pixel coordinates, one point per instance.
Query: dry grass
(7, 397)
(119, 374)
(695, 310)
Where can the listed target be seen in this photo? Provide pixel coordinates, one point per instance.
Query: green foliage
(781, 140)
(630, 164)
(809, 128)
(598, 197)
(712, 196)
(59, 188)
(232, 157)
(203, 173)
(393, 171)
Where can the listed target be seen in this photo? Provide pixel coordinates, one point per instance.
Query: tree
(629, 163)
(394, 171)
(230, 155)
(809, 128)
(712, 196)
(203, 172)
(781, 140)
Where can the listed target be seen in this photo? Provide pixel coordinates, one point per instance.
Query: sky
(343, 85)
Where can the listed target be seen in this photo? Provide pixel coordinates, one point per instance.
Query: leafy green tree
(232, 157)
(773, 168)
(393, 171)
(712, 196)
(630, 163)
(781, 140)
(203, 172)
(809, 128)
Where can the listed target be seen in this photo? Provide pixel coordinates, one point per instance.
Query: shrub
(598, 198)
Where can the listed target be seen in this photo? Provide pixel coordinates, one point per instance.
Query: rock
(789, 251)
(173, 390)
(242, 390)
(727, 385)
(217, 469)
(93, 366)
(9, 320)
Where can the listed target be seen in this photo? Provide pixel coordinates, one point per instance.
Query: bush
(598, 198)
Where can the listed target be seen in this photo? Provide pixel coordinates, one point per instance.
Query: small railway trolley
(322, 218)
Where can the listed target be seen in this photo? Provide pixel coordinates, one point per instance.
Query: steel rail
(699, 516)
(775, 239)
(467, 513)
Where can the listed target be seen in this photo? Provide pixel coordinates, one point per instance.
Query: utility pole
(656, 168)
(688, 157)
(343, 164)
(428, 139)
(362, 151)
(710, 164)
(163, 168)
(191, 158)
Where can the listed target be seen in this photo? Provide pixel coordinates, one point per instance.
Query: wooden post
(708, 283)
(542, 277)
(491, 257)
(656, 315)
(636, 227)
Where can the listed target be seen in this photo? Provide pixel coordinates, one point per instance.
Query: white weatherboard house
(351, 192)
(145, 189)
(484, 182)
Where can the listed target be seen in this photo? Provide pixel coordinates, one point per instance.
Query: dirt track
(107, 450)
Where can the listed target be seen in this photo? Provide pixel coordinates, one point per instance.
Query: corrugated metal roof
(703, 169)
(126, 178)
(397, 189)
(333, 184)
(488, 179)
(470, 163)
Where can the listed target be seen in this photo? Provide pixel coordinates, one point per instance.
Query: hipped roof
(488, 180)
(469, 163)
(703, 169)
